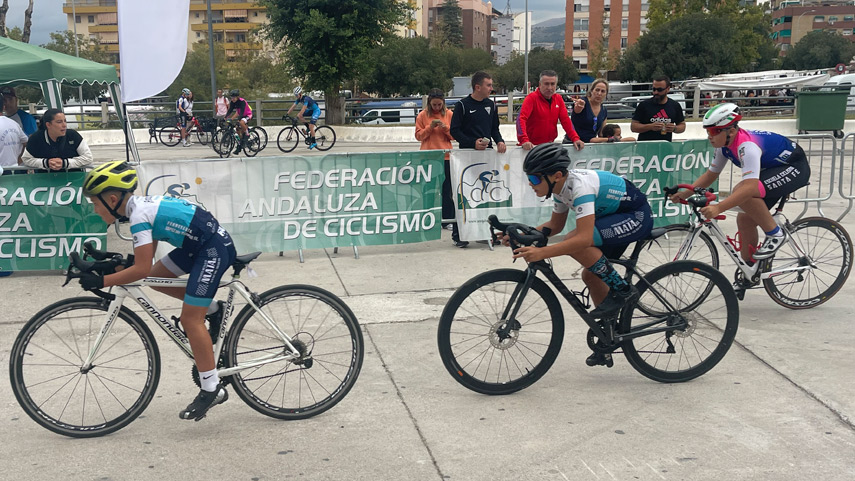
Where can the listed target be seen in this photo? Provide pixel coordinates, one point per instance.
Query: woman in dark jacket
(56, 147)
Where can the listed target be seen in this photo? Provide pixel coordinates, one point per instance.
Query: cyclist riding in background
(610, 212)
(203, 249)
(310, 105)
(773, 166)
(239, 109)
(183, 108)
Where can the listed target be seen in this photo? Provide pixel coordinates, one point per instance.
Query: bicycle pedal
(740, 294)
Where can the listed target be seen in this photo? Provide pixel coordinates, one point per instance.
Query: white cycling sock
(213, 307)
(209, 380)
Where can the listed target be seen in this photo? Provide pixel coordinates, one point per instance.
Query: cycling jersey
(242, 107)
(754, 150)
(310, 103)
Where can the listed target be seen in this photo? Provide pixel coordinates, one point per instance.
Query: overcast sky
(48, 16)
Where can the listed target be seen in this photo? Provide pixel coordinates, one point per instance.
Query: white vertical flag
(152, 45)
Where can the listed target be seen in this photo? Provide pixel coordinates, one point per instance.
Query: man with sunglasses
(610, 213)
(658, 117)
(773, 166)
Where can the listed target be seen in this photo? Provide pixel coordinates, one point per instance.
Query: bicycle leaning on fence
(502, 330)
(289, 137)
(806, 271)
(88, 366)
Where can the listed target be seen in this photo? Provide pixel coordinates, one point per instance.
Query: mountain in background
(550, 23)
(549, 32)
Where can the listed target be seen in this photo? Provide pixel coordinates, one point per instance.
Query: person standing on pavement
(433, 130)
(11, 110)
(181, 106)
(56, 147)
(589, 114)
(13, 140)
(540, 113)
(658, 117)
(475, 125)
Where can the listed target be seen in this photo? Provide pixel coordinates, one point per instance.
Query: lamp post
(525, 40)
(798, 21)
(76, 54)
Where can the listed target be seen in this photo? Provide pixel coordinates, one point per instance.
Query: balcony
(242, 26)
(103, 28)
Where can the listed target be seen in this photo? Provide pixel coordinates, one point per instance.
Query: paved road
(780, 406)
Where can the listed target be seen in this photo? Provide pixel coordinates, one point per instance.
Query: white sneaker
(770, 245)
(188, 144)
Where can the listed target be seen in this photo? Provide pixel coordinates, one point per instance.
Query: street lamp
(525, 40)
(798, 20)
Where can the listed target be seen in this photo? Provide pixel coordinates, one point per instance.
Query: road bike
(170, 135)
(227, 138)
(502, 330)
(808, 270)
(88, 366)
(289, 137)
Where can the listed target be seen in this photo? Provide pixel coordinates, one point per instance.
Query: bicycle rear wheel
(45, 368)
(288, 139)
(324, 137)
(170, 136)
(202, 136)
(828, 246)
(252, 144)
(471, 336)
(223, 143)
(703, 331)
(262, 136)
(328, 336)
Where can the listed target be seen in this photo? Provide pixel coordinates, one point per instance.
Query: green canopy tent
(25, 64)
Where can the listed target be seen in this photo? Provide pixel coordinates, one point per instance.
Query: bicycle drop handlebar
(520, 234)
(702, 198)
(105, 263)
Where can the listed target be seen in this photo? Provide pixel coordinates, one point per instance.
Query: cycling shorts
(613, 233)
(316, 114)
(777, 182)
(206, 265)
(183, 118)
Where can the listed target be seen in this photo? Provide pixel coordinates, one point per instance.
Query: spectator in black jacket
(56, 147)
(475, 122)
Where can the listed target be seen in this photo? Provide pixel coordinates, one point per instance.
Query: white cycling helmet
(297, 91)
(186, 91)
(722, 115)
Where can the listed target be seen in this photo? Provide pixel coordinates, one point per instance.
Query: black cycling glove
(91, 281)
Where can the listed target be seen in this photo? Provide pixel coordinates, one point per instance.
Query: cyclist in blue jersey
(202, 248)
(773, 166)
(308, 104)
(610, 213)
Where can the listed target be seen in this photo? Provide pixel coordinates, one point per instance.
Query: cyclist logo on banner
(483, 188)
(178, 190)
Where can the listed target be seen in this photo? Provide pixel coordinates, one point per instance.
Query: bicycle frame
(135, 292)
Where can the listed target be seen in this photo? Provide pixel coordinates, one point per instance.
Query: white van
(845, 79)
(633, 102)
(390, 116)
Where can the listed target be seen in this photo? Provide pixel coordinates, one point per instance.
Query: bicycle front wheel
(252, 144)
(666, 248)
(703, 331)
(170, 136)
(262, 136)
(321, 327)
(489, 354)
(324, 137)
(808, 277)
(46, 360)
(288, 139)
(223, 143)
(202, 136)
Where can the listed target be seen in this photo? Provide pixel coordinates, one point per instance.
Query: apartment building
(620, 22)
(792, 20)
(509, 35)
(476, 15)
(233, 22)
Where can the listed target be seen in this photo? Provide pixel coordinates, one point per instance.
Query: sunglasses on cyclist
(535, 179)
(712, 131)
(660, 89)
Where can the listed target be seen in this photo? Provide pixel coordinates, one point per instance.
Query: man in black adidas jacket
(475, 122)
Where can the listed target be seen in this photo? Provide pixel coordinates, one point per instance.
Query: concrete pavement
(780, 406)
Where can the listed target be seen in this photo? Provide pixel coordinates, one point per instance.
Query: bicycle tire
(664, 249)
(223, 143)
(829, 247)
(202, 136)
(169, 136)
(324, 138)
(45, 362)
(712, 324)
(289, 141)
(319, 320)
(473, 313)
(252, 144)
(262, 135)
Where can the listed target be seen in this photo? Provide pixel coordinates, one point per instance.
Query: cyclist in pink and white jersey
(239, 109)
(772, 167)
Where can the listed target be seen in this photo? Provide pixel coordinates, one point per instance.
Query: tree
(668, 50)
(28, 23)
(451, 27)
(510, 75)
(819, 49)
(327, 42)
(4, 7)
(599, 57)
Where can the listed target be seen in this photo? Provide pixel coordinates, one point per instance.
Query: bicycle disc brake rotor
(691, 319)
(503, 336)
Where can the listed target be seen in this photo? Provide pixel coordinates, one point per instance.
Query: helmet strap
(112, 211)
(551, 186)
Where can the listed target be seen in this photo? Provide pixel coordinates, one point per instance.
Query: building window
(198, 35)
(77, 19)
(623, 42)
(254, 14)
(625, 4)
(197, 14)
(240, 37)
(624, 23)
(832, 18)
(848, 18)
(580, 44)
(90, 19)
(819, 18)
(580, 24)
(786, 33)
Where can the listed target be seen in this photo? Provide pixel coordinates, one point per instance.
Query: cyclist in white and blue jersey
(773, 166)
(203, 249)
(610, 212)
(308, 105)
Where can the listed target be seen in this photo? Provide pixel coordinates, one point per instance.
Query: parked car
(393, 116)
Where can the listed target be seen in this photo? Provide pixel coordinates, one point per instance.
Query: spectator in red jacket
(541, 111)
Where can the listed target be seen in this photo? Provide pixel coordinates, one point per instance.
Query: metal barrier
(847, 179)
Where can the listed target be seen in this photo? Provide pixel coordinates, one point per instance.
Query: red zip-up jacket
(538, 120)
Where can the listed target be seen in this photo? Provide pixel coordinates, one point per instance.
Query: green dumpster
(822, 108)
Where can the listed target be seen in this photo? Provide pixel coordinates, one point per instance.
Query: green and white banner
(287, 203)
(43, 218)
(486, 182)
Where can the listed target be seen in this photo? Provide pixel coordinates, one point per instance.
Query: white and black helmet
(297, 91)
(722, 115)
